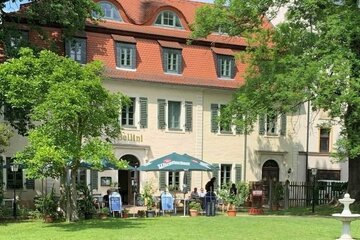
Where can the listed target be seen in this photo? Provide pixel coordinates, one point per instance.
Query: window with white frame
(172, 60)
(217, 125)
(225, 66)
(225, 174)
(168, 19)
(75, 48)
(324, 140)
(272, 124)
(126, 55)
(128, 114)
(135, 114)
(173, 180)
(109, 12)
(175, 115)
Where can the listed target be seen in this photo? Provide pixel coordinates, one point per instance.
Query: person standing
(209, 187)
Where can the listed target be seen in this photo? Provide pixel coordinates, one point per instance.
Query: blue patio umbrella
(175, 162)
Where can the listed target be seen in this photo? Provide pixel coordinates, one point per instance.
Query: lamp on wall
(289, 170)
(14, 168)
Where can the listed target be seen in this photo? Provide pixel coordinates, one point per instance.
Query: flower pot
(231, 212)
(49, 219)
(150, 213)
(194, 213)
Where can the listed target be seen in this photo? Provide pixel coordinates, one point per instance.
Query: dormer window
(109, 11)
(168, 19)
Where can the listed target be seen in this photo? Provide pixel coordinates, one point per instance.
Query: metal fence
(301, 194)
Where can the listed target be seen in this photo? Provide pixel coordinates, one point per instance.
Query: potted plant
(233, 201)
(86, 202)
(277, 195)
(195, 208)
(47, 205)
(147, 195)
(125, 213)
(104, 213)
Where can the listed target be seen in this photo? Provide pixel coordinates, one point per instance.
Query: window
(109, 11)
(135, 115)
(174, 180)
(81, 177)
(168, 19)
(172, 60)
(272, 125)
(13, 180)
(225, 177)
(175, 115)
(14, 40)
(125, 55)
(226, 66)
(219, 126)
(324, 140)
(127, 114)
(76, 49)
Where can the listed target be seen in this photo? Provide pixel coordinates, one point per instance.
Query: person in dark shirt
(209, 187)
(233, 189)
(106, 198)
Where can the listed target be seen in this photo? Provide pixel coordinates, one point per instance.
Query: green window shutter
(161, 113)
(283, 124)
(215, 173)
(237, 173)
(67, 47)
(188, 116)
(262, 124)
(143, 112)
(218, 65)
(165, 59)
(118, 54)
(83, 50)
(133, 55)
(188, 180)
(214, 117)
(94, 178)
(179, 57)
(232, 68)
(162, 181)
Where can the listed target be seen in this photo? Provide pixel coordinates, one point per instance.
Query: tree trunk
(74, 197)
(354, 178)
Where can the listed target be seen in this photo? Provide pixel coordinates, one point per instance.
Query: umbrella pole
(184, 205)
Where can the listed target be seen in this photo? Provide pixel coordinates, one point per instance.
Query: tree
(69, 15)
(5, 134)
(313, 56)
(75, 116)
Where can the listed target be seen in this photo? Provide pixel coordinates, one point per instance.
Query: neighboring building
(177, 91)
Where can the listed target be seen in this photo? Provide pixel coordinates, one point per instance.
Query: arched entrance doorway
(128, 180)
(270, 172)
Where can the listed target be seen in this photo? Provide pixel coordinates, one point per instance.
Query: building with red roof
(177, 91)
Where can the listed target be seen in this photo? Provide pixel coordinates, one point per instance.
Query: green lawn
(175, 227)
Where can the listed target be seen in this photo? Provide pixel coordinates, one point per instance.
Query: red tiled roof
(167, 44)
(222, 51)
(172, 79)
(120, 38)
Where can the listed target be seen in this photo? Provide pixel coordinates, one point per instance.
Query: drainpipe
(307, 141)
